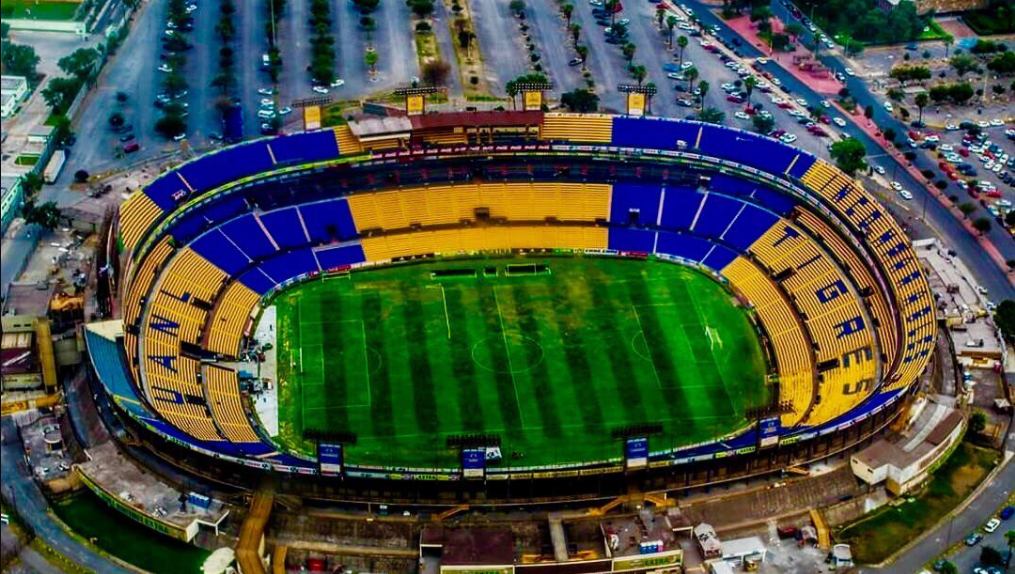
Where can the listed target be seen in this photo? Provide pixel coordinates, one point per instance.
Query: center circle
(523, 353)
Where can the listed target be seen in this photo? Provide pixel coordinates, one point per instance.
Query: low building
(12, 196)
(27, 361)
(14, 90)
(742, 551)
(903, 464)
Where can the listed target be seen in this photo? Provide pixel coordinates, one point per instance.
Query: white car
(687, 65)
(826, 104)
(983, 124)
(740, 115)
(880, 170)
(165, 68)
(788, 138)
(762, 61)
(776, 81)
(888, 107)
(996, 123)
(802, 102)
(285, 111)
(267, 103)
(265, 114)
(896, 186)
(991, 525)
(839, 122)
(946, 147)
(266, 91)
(849, 72)
(951, 127)
(320, 89)
(997, 168)
(338, 83)
(906, 195)
(179, 137)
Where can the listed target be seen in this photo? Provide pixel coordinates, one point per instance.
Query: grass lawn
(550, 360)
(876, 537)
(38, 9)
(934, 32)
(92, 519)
(27, 160)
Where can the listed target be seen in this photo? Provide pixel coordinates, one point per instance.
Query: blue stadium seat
(749, 225)
(285, 227)
(216, 248)
(167, 191)
(753, 192)
(719, 257)
(680, 207)
(683, 245)
(802, 164)
(285, 266)
(653, 133)
(333, 257)
(640, 197)
(257, 281)
(228, 165)
(627, 239)
(248, 235)
(717, 212)
(205, 216)
(327, 218)
(304, 148)
(750, 149)
(110, 365)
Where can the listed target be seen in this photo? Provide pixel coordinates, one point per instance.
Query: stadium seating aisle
(229, 318)
(223, 387)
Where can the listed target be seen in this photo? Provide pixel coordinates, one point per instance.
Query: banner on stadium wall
(635, 104)
(474, 462)
(636, 453)
(768, 432)
(329, 459)
(414, 104)
(533, 100)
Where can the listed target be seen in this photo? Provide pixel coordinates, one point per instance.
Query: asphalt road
(951, 230)
(504, 53)
(33, 507)
(553, 43)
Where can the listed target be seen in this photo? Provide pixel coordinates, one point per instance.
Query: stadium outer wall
(748, 460)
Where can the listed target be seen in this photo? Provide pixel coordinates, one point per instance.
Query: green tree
(1004, 318)
(46, 215)
(963, 64)
(671, 22)
(567, 10)
(1003, 64)
(982, 224)
(19, 60)
(60, 92)
(583, 54)
(849, 155)
(576, 31)
(990, 556)
(171, 125)
(80, 63)
(436, 73)
(868, 112)
(116, 119)
(762, 124)
(749, 83)
(967, 208)
(517, 7)
(703, 87)
(421, 8)
(5, 30)
(639, 73)
(692, 76)
(31, 182)
(370, 59)
(948, 568)
(711, 116)
(682, 44)
(921, 100)
(977, 422)
(580, 101)
(629, 50)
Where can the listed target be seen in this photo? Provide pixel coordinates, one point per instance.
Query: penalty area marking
(366, 370)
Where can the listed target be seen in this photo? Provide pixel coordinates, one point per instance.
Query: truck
(54, 166)
(232, 124)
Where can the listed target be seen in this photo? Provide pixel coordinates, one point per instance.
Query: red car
(964, 152)
(131, 147)
(735, 99)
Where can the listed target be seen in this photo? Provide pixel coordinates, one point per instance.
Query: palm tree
(682, 43)
(703, 86)
(370, 59)
(611, 7)
(628, 50)
(749, 84)
(671, 22)
(660, 15)
(576, 31)
(583, 52)
(567, 10)
(691, 74)
(921, 100)
(638, 73)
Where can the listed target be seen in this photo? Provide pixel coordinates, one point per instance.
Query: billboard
(474, 462)
(312, 118)
(533, 100)
(636, 453)
(768, 432)
(329, 458)
(636, 104)
(414, 104)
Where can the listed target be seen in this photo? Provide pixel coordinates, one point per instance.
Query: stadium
(508, 305)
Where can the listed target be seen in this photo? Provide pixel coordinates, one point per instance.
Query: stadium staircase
(347, 142)
(451, 512)
(278, 559)
(251, 543)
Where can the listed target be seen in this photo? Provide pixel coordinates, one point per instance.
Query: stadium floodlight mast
(639, 97)
(415, 97)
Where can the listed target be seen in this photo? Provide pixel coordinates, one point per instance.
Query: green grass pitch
(550, 362)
